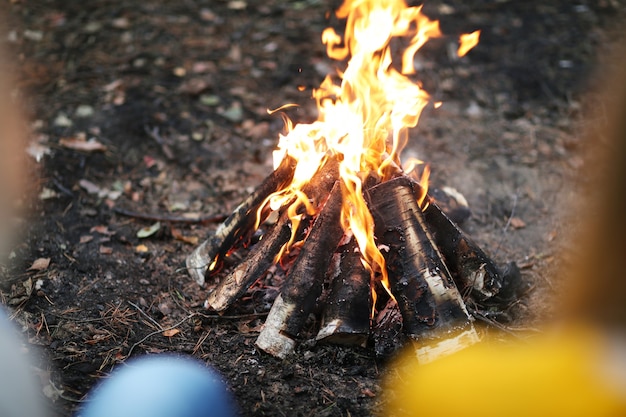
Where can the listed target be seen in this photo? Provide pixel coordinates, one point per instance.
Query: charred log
(347, 309)
(237, 226)
(263, 254)
(474, 272)
(387, 333)
(433, 312)
(304, 281)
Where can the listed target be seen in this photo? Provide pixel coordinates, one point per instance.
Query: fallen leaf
(149, 161)
(114, 85)
(47, 194)
(209, 100)
(101, 229)
(247, 328)
(40, 264)
(176, 234)
(368, 392)
(237, 5)
(148, 231)
(105, 250)
(517, 223)
(171, 332)
(86, 239)
(89, 186)
(234, 113)
(78, 144)
(120, 23)
(195, 86)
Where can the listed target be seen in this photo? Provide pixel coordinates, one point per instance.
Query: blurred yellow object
(571, 373)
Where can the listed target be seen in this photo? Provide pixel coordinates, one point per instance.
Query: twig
(154, 134)
(480, 316)
(215, 218)
(149, 335)
(153, 321)
(233, 317)
(62, 188)
(506, 226)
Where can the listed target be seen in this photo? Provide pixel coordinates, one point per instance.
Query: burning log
(363, 123)
(304, 281)
(433, 312)
(263, 254)
(472, 269)
(346, 312)
(238, 225)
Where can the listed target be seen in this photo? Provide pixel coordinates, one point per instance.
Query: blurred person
(20, 395)
(577, 365)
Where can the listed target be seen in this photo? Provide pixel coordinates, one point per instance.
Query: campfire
(353, 227)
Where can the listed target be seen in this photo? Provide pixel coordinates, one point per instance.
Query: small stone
(84, 110)
(62, 120)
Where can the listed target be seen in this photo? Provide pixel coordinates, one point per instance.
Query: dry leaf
(89, 186)
(40, 264)
(195, 86)
(368, 392)
(247, 328)
(86, 239)
(517, 223)
(148, 231)
(102, 229)
(171, 332)
(78, 144)
(176, 234)
(105, 250)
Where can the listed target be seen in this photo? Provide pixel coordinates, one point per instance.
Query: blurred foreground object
(12, 154)
(577, 373)
(161, 386)
(577, 366)
(20, 396)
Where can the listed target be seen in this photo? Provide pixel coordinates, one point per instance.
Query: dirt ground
(172, 97)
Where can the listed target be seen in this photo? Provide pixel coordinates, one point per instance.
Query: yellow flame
(467, 42)
(365, 112)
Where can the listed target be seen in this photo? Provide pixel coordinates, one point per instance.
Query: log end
(338, 333)
(433, 349)
(272, 339)
(275, 343)
(197, 263)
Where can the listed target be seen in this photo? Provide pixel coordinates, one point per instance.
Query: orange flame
(364, 114)
(467, 42)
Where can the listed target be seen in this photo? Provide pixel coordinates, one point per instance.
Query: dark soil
(177, 92)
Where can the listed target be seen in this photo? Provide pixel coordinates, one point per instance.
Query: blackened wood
(431, 306)
(254, 266)
(303, 284)
(262, 255)
(451, 202)
(238, 224)
(387, 330)
(347, 309)
(473, 271)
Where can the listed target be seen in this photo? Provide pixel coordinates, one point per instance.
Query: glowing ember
(467, 42)
(364, 114)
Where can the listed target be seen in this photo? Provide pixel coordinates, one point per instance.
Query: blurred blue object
(19, 393)
(161, 386)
